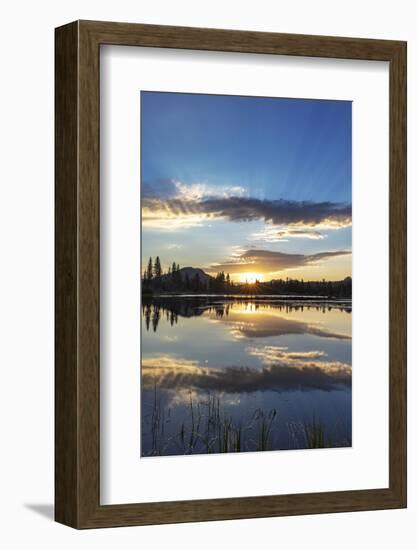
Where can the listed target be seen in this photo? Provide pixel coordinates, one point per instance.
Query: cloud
(168, 201)
(287, 373)
(271, 355)
(254, 260)
(167, 188)
(242, 326)
(169, 205)
(274, 235)
(200, 191)
(278, 212)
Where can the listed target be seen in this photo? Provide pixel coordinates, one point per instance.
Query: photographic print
(246, 274)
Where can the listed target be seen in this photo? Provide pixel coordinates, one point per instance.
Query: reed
(314, 434)
(206, 427)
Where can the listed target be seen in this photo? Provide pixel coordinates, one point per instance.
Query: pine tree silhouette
(149, 275)
(157, 269)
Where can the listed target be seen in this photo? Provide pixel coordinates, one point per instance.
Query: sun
(250, 278)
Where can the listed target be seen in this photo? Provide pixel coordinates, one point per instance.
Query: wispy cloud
(276, 354)
(167, 188)
(254, 260)
(200, 191)
(271, 234)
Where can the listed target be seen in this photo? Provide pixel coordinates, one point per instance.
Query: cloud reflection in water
(283, 371)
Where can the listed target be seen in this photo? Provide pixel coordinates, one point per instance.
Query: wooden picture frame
(77, 382)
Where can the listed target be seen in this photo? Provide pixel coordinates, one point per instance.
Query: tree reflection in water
(193, 306)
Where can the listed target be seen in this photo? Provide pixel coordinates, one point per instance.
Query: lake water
(236, 374)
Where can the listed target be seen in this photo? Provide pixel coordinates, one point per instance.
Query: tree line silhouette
(175, 279)
(334, 289)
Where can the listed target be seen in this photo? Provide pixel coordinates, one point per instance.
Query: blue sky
(248, 185)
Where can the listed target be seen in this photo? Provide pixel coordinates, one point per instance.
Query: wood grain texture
(78, 284)
(398, 273)
(66, 237)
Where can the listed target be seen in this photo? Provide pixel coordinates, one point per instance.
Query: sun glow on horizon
(251, 278)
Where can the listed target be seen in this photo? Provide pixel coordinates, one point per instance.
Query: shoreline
(260, 297)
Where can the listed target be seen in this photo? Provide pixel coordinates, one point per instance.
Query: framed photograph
(230, 274)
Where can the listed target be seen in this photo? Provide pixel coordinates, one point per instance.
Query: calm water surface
(234, 374)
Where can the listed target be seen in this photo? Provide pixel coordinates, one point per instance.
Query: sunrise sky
(257, 187)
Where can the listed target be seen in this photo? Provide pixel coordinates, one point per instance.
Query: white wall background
(27, 260)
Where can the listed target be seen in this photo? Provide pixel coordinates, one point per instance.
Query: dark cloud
(269, 261)
(241, 209)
